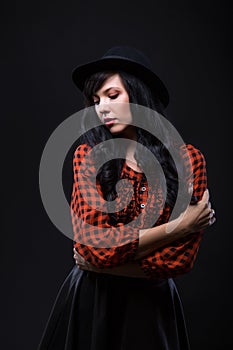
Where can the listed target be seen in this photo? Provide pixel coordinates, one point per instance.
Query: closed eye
(113, 97)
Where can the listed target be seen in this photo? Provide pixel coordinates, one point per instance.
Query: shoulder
(192, 155)
(194, 152)
(196, 156)
(82, 150)
(82, 159)
(80, 154)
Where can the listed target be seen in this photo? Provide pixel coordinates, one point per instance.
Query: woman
(121, 296)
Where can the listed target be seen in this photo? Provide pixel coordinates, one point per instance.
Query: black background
(190, 46)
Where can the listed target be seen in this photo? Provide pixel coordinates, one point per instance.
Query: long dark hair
(141, 95)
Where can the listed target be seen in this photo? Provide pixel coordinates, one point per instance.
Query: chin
(123, 130)
(118, 129)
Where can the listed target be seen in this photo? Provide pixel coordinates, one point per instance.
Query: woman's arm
(131, 269)
(163, 252)
(102, 244)
(178, 257)
(106, 246)
(196, 217)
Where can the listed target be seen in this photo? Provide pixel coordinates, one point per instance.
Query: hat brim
(82, 72)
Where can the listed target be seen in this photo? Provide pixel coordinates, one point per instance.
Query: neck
(131, 150)
(129, 133)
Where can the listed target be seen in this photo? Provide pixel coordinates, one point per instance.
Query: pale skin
(112, 107)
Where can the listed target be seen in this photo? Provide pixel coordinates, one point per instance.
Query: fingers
(200, 215)
(212, 220)
(203, 203)
(80, 261)
(212, 217)
(206, 195)
(208, 219)
(208, 214)
(77, 259)
(207, 204)
(75, 256)
(212, 213)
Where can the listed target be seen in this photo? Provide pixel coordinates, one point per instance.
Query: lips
(109, 121)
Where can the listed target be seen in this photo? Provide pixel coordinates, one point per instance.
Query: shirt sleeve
(99, 242)
(179, 257)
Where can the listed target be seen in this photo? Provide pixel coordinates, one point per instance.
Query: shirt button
(142, 205)
(143, 188)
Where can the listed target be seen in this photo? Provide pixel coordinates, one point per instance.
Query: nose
(103, 107)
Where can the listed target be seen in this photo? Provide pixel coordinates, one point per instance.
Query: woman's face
(112, 107)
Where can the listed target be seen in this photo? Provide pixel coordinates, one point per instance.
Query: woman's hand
(132, 269)
(195, 218)
(82, 263)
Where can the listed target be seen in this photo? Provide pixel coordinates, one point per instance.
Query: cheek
(97, 112)
(125, 108)
(126, 112)
(123, 112)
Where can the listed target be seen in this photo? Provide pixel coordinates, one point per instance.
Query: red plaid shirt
(105, 245)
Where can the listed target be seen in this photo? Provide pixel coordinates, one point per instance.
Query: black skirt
(100, 312)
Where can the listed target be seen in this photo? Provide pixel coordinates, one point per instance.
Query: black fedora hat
(127, 59)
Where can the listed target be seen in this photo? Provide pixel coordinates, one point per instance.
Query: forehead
(112, 81)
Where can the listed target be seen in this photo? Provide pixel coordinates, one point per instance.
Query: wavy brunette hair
(139, 94)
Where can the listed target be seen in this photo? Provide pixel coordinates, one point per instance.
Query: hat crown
(128, 53)
(127, 59)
